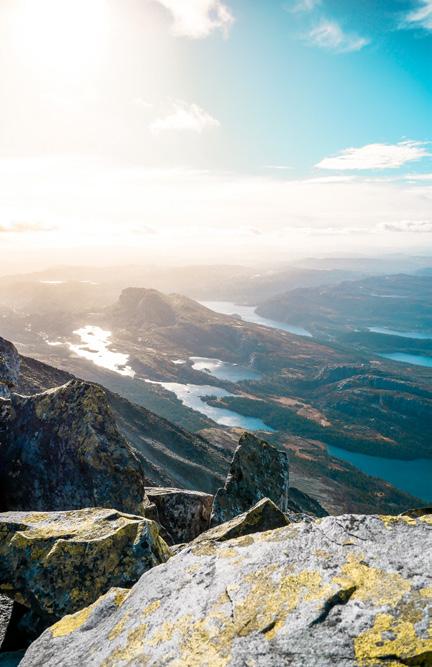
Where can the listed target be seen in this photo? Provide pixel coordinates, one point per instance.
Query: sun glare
(60, 35)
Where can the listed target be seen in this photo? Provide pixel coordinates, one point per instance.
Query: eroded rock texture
(61, 450)
(55, 563)
(258, 470)
(349, 591)
(183, 514)
(9, 367)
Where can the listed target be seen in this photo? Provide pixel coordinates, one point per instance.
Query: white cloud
(305, 5)
(329, 35)
(184, 117)
(196, 215)
(280, 167)
(198, 18)
(413, 226)
(24, 228)
(418, 177)
(421, 16)
(376, 156)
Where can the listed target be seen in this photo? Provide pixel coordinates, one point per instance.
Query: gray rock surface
(183, 514)
(5, 614)
(55, 563)
(9, 367)
(261, 517)
(61, 450)
(349, 591)
(258, 470)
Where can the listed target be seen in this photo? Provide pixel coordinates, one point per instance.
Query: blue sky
(178, 130)
(284, 100)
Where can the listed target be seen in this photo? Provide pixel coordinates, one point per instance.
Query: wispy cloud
(304, 6)
(280, 167)
(198, 18)
(420, 16)
(418, 177)
(24, 228)
(330, 35)
(376, 156)
(184, 117)
(412, 226)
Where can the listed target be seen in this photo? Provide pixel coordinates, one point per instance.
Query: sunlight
(60, 35)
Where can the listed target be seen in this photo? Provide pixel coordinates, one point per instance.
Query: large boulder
(183, 514)
(261, 517)
(9, 367)
(347, 591)
(61, 450)
(55, 563)
(258, 470)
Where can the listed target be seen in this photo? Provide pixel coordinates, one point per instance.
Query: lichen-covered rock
(258, 470)
(55, 563)
(184, 514)
(61, 450)
(346, 591)
(9, 367)
(261, 517)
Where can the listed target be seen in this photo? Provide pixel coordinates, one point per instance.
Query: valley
(207, 370)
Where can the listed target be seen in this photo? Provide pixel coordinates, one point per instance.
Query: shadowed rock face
(55, 563)
(183, 514)
(61, 450)
(258, 470)
(9, 367)
(350, 591)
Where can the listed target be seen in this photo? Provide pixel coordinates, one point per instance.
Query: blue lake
(403, 334)
(192, 396)
(415, 477)
(248, 314)
(224, 370)
(414, 359)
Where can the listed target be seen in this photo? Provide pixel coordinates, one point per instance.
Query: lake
(414, 359)
(94, 347)
(248, 314)
(415, 477)
(191, 395)
(402, 334)
(223, 370)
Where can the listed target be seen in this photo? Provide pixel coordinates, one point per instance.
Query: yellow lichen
(389, 520)
(134, 640)
(72, 622)
(391, 636)
(269, 599)
(372, 584)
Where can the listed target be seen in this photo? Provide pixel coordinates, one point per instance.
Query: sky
(242, 131)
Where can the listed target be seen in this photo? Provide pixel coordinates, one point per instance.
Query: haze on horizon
(175, 131)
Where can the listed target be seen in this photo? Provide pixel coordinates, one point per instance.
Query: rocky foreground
(256, 575)
(349, 590)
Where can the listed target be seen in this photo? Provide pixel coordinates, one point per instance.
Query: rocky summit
(258, 470)
(55, 563)
(61, 450)
(347, 591)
